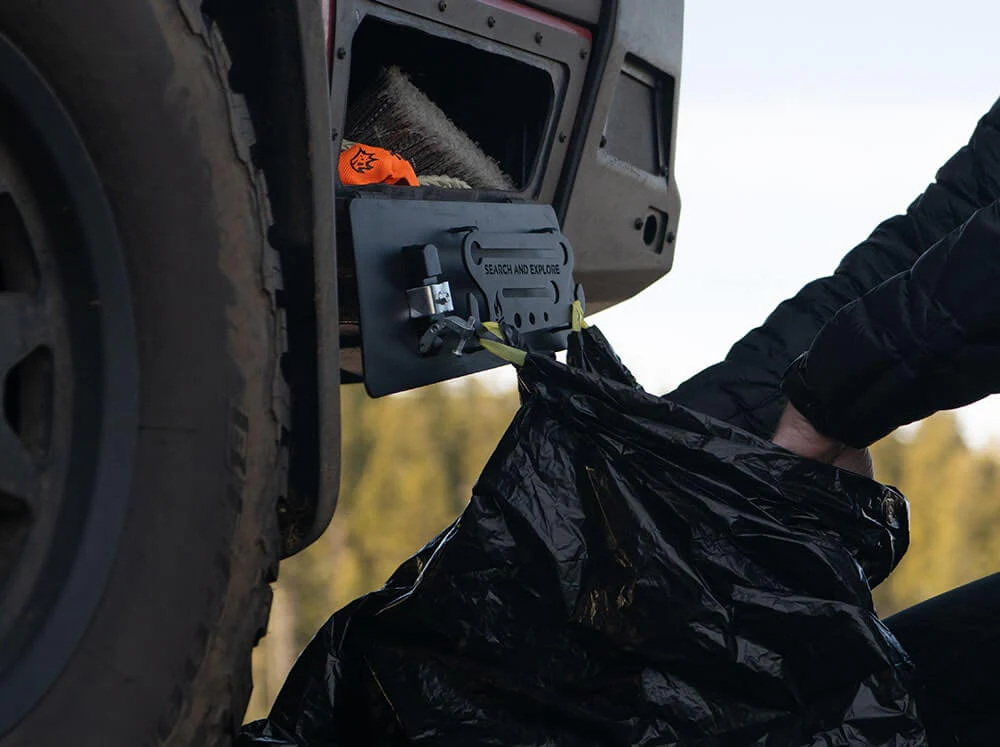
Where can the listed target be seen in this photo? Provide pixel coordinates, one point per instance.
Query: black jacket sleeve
(745, 388)
(928, 339)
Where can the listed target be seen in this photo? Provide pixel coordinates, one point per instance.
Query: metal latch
(433, 295)
(430, 300)
(464, 329)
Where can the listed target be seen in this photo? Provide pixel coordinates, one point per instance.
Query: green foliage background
(410, 461)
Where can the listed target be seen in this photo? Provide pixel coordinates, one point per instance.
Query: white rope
(442, 180)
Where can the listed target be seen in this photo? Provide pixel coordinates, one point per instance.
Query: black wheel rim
(69, 372)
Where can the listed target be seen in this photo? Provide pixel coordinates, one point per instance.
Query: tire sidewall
(145, 91)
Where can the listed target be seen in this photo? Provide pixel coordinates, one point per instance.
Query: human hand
(798, 435)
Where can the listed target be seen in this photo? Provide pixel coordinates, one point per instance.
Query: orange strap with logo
(366, 164)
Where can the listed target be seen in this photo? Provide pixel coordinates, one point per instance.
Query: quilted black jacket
(908, 324)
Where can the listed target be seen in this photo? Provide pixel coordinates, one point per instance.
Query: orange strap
(366, 164)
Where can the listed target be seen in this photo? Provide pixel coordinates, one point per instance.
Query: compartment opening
(501, 104)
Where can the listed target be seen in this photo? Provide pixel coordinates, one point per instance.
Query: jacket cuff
(806, 399)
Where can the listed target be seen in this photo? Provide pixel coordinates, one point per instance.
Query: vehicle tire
(143, 401)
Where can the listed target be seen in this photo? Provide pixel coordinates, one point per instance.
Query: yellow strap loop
(515, 355)
(578, 321)
(507, 352)
(494, 329)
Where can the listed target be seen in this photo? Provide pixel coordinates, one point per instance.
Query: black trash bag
(628, 572)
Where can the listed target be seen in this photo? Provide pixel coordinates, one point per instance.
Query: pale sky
(802, 126)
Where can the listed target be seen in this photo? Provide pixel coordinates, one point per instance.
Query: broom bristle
(398, 116)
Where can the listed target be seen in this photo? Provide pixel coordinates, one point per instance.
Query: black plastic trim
(280, 66)
(600, 53)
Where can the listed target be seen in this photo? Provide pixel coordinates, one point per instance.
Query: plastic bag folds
(628, 572)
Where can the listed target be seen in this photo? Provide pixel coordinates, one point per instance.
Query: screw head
(637, 224)
(491, 21)
(538, 37)
(341, 53)
(442, 6)
(583, 54)
(562, 137)
(670, 237)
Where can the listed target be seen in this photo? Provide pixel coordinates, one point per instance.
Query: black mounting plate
(504, 262)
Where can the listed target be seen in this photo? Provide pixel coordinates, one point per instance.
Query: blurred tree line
(954, 495)
(410, 461)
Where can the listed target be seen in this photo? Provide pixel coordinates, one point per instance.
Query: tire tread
(207, 708)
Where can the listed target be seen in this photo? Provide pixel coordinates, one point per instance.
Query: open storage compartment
(503, 104)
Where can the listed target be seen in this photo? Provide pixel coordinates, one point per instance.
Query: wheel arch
(279, 57)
